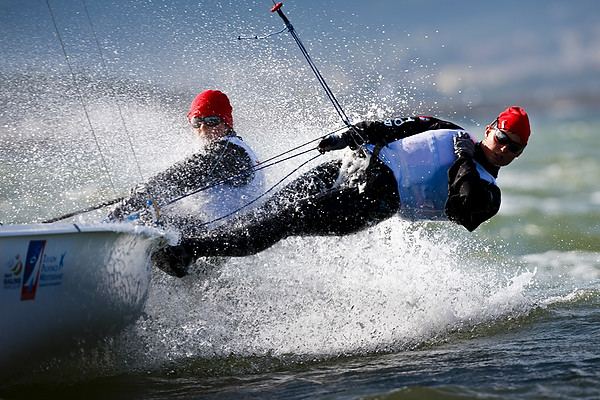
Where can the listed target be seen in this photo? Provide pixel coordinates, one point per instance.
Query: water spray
(297, 151)
(338, 108)
(290, 28)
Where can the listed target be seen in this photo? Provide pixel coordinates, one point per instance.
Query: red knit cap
(514, 119)
(212, 102)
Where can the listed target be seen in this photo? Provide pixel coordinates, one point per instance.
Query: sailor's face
(497, 153)
(208, 132)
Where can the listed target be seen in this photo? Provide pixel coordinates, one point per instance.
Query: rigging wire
(114, 91)
(302, 145)
(240, 37)
(84, 210)
(313, 67)
(262, 165)
(248, 172)
(224, 181)
(258, 197)
(80, 96)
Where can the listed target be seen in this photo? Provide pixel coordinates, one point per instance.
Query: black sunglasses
(504, 140)
(211, 120)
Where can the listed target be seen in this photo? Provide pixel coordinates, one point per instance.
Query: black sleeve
(219, 161)
(471, 200)
(236, 162)
(383, 132)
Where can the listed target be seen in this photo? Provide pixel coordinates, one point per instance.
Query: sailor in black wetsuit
(223, 157)
(421, 167)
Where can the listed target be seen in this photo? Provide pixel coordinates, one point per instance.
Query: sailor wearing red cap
(223, 157)
(421, 168)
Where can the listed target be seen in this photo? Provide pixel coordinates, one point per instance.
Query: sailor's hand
(138, 190)
(463, 145)
(332, 142)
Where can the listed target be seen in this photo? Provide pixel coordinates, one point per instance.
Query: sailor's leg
(348, 210)
(338, 211)
(264, 226)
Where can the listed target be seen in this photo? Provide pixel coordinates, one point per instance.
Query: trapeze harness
(420, 164)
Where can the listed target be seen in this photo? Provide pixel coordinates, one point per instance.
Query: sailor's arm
(471, 199)
(218, 162)
(382, 132)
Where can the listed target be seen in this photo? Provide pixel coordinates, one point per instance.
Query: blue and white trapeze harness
(420, 164)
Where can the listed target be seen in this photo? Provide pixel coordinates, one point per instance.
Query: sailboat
(65, 281)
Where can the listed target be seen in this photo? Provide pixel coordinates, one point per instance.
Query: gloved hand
(138, 190)
(463, 145)
(332, 142)
(136, 201)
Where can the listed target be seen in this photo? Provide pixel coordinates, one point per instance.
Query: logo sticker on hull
(33, 266)
(33, 269)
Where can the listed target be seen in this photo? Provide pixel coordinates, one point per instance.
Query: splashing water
(393, 287)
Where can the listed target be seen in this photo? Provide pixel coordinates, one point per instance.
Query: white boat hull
(62, 282)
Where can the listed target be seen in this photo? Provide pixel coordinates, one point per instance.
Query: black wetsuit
(218, 161)
(316, 204)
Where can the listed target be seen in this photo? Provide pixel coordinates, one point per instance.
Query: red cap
(212, 102)
(514, 119)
